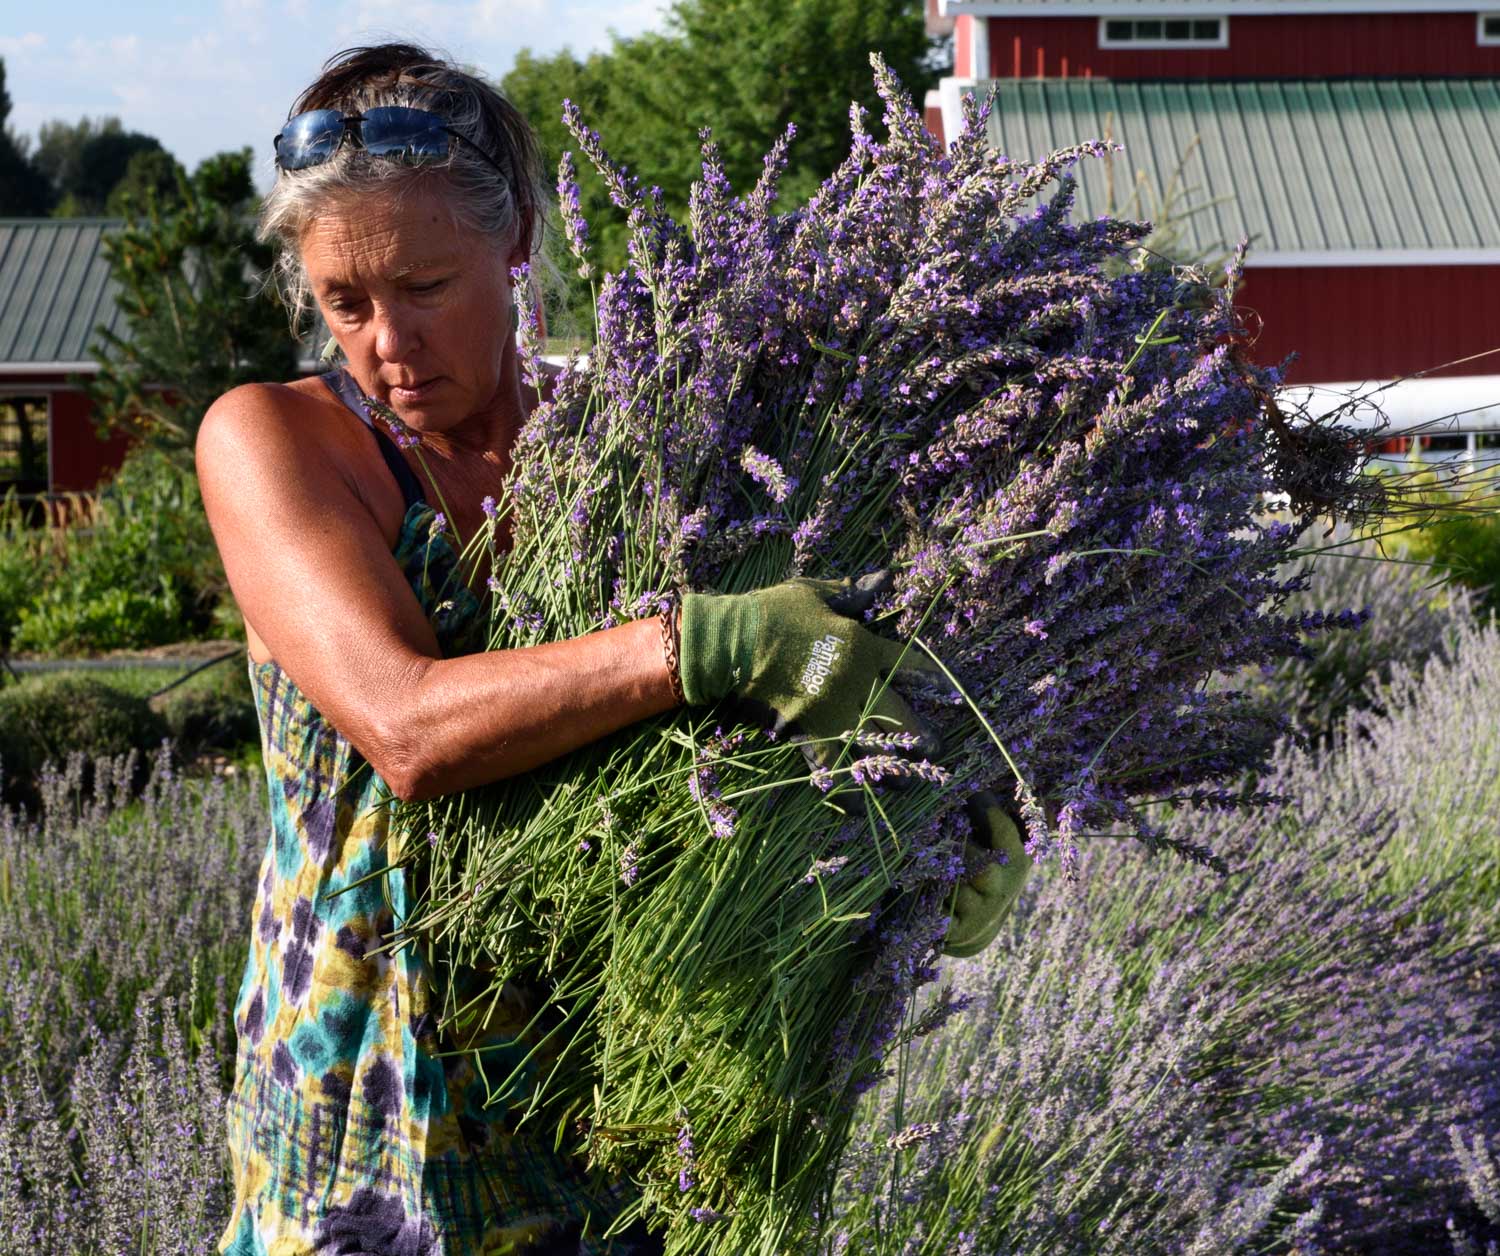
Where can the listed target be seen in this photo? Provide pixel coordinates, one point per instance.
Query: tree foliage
(60, 145)
(95, 166)
(149, 172)
(24, 190)
(103, 163)
(197, 319)
(745, 68)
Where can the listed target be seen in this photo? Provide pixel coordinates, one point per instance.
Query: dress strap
(341, 384)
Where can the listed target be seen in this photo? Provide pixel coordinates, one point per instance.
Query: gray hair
(509, 208)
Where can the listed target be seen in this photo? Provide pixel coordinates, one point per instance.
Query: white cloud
(22, 45)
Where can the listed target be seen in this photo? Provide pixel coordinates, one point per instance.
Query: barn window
(23, 444)
(1164, 32)
(1489, 28)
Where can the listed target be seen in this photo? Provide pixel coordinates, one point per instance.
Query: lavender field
(1303, 1057)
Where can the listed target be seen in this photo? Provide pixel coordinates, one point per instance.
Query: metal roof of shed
(1409, 169)
(55, 289)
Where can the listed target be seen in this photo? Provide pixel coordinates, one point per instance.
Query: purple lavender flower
(767, 472)
(685, 1152)
(825, 868)
(575, 226)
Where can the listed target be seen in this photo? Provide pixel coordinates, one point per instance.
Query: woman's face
(419, 304)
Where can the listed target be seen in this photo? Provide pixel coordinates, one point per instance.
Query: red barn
(1356, 143)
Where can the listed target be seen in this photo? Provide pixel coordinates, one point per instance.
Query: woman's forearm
(461, 722)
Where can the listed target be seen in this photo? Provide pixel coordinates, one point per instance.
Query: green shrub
(216, 712)
(138, 569)
(1469, 548)
(1464, 546)
(18, 567)
(47, 718)
(65, 620)
(16, 578)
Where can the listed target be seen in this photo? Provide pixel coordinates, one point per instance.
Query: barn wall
(963, 43)
(1374, 322)
(79, 458)
(1325, 45)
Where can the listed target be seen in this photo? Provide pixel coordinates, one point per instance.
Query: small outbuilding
(55, 289)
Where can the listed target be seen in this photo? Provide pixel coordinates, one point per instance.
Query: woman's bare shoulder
(300, 422)
(266, 403)
(276, 440)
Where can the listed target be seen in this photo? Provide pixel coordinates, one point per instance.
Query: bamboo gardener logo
(819, 665)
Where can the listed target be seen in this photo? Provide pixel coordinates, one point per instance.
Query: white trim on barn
(1374, 257)
(979, 48)
(8, 369)
(1189, 8)
(1451, 418)
(1441, 403)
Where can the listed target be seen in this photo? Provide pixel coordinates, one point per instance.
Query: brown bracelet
(669, 632)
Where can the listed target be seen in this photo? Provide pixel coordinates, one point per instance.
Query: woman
(406, 191)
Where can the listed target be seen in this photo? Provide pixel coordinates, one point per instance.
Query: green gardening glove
(983, 899)
(793, 651)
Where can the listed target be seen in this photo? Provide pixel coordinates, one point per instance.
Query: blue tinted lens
(394, 131)
(309, 138)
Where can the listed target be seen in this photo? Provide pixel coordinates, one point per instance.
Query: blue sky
(208, 76)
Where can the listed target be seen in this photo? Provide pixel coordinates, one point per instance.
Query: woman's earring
(515, 316)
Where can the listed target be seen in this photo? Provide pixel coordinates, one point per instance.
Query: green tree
(59, 148)
(745, 68)
(86, 160)
(104, 162)
(198, 320)
(150, 172)
(24, 189)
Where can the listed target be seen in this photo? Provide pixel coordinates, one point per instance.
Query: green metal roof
(54, 288)
(1304, 166)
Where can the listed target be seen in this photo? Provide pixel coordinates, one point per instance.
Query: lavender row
(124, 921)
(1156, 1062)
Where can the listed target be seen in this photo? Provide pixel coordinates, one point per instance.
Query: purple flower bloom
(825, 868)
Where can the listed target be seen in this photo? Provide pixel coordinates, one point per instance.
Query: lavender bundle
(1056, 449)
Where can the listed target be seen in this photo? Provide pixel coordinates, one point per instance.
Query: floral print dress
(348, 1133)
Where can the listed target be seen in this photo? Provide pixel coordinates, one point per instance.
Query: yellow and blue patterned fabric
(349, 1133)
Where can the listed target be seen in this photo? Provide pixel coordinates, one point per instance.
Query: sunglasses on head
(394, 131)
